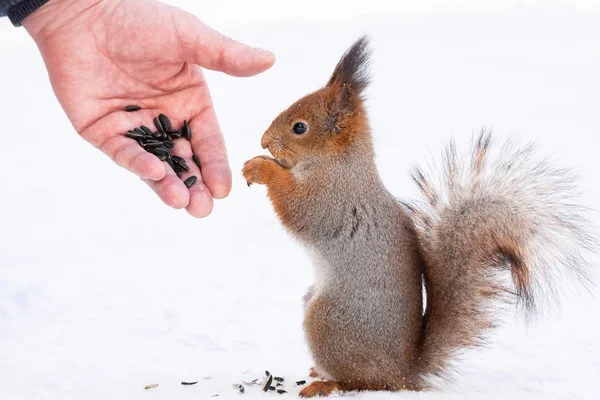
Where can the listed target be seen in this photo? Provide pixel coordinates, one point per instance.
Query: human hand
(104, 55)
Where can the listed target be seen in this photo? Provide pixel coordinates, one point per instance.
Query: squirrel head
(329, 121)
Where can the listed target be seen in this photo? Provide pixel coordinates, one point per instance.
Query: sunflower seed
(138, 130)
(164, 121)
(153, 145)
(169, 144)
(151, 386)
(171, 163)
(181, 162)
(174, 135)
(158, 125)
(239, 387)
(162, 150)
(184, 166)
(132, 108)
(189, 383)
(196, 160)
(135, 135)
(161, 157)
(190, 181)
(281, 391)
(146, 130)
(300, 382)
(268, 382)
(278, 378)
(186, 131)
(148, 141)
(140, 142)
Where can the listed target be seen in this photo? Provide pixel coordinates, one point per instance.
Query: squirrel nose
(266, 140)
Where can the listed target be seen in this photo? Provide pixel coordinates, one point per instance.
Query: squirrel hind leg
(328, 387)
(323, 388)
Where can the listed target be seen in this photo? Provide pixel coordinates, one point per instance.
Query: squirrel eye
(299, 128)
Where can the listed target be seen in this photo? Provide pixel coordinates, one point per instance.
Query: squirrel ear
(352, 71)
(349, 79)
(341, 103)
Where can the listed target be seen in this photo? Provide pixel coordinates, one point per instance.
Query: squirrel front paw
(257, 169)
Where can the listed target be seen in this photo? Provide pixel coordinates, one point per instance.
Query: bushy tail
(494, 230)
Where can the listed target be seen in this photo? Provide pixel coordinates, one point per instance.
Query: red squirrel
(491, 232)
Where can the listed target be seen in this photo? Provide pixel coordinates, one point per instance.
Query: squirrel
(487, 232)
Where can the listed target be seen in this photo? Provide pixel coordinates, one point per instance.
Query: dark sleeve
(18, 10)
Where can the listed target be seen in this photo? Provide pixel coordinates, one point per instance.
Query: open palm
(104, 55)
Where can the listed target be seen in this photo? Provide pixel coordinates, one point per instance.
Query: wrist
(54, 15)
(18, 10)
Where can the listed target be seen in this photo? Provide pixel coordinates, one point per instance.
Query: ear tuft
(353, 68)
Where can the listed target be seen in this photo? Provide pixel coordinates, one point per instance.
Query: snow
(104, 290)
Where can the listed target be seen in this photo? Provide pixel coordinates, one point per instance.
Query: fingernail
(263, 52)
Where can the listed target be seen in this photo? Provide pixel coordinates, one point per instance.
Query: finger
(204, 46)
(128, 154)
(201, 202)
(209, 145)
(170, 190)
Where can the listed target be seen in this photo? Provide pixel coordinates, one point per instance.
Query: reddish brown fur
(321, 388)
(321, 111)
(326, 112)
(266, 171)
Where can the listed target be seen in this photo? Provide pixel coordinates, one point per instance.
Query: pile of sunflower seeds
(269, 383)
(161, 142)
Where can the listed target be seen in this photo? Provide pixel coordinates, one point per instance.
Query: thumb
(204, 46)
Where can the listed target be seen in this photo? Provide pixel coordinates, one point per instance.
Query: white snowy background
(104, 290)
